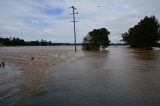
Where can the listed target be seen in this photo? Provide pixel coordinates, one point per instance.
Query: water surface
(116, 76)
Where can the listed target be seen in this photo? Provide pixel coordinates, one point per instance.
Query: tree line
(15, 41)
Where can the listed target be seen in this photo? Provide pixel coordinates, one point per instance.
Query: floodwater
(118, 76)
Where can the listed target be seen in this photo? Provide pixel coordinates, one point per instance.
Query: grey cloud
(116, 15)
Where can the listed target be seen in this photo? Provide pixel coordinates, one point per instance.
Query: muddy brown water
(118, 76)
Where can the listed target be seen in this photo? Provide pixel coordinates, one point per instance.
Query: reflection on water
(146, 54)
(149, 70)
(35, 82)
(116, 76)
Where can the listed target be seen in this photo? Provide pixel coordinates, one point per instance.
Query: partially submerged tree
(146, 34)
(96, 39)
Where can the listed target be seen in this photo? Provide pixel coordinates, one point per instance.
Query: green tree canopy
(96, 39)
(145, 34)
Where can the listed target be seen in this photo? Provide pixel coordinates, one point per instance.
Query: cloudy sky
(49, 19)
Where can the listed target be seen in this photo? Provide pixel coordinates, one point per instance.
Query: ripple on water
(9, 82)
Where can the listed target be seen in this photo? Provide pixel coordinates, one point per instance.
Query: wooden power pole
(74, 24)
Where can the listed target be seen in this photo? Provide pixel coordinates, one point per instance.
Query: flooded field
(56, 76)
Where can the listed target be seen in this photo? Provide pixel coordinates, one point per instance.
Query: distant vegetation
(146, 34)
(96, 39)
(20, 42)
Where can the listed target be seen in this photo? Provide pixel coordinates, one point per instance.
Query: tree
(96, 39)
(145, 34)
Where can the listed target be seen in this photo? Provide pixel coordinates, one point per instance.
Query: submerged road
(115, 77)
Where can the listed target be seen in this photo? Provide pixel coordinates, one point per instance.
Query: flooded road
(117, 76)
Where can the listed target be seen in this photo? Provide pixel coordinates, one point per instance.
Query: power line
(74, 25)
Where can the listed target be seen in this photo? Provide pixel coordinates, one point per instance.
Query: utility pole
(74, 24)
(1, 42)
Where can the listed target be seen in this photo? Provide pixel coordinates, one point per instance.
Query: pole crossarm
(73, 13)
(73, 21)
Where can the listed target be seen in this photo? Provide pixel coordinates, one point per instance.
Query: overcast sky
(49, 19)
